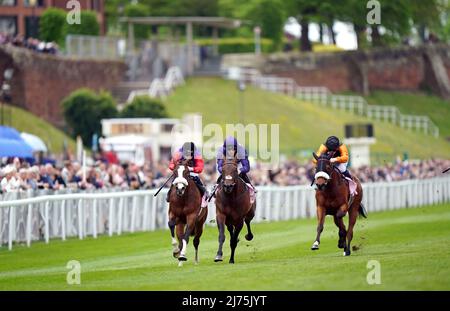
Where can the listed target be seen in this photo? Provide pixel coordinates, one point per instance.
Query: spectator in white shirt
(9, 183)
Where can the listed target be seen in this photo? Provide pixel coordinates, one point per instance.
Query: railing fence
(95, 47)
(161, 88)
(354, 104)
(25, 217)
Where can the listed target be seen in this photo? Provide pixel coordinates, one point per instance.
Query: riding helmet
(332, 143)
(230, 143)
(188, 149)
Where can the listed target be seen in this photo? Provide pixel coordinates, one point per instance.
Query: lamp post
(241, 87)
(257, 32)
(6, 91)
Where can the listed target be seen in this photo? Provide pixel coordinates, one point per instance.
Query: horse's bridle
(233, 163)
(181, 179)
(328, 176)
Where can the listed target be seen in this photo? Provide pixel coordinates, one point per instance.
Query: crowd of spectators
(16, 175)
(294, 173)
(29, 43)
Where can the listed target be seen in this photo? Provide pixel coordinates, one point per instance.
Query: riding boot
(347, 174)
(199, 185)
(203, 191)
(216, 185)
(246, 179)
(168, 195)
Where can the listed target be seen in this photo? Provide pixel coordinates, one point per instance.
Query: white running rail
(90, 214)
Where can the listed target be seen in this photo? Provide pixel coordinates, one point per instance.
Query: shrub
(88, 26)
(83, 110)
(239, 45)
(144, 107)
(52, 25)
(138, 10)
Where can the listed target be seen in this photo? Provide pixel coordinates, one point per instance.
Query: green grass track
(411, 245)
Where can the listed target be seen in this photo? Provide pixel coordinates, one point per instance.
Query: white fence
(322, 95)
(24, 218)
(160, 88)
(95, 47)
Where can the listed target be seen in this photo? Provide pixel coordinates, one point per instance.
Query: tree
(270, 16)
(306, 11)
(138, 10)
(144, 107)
(52, 25)
(195, 7)
(88, 26)
(83, 110)
(430, 15)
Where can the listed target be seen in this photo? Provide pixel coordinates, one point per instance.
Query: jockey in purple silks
(231, 148)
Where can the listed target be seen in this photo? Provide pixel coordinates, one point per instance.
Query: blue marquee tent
(12, 145)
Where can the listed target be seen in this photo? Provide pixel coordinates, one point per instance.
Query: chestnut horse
(185, 212)
(332, 198)
(233, 208)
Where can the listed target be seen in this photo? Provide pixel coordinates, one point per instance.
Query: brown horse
(185, 212)
(233, 208)
(332, 198)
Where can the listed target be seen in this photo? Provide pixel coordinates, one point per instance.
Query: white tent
(128, 147)
(34, 142)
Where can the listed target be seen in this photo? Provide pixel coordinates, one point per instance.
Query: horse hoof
(341, 245)
(346, 253)
(315, 246)
(218, 259)
(249, 237)
(231, 261)
(176, 254)
(182, 258)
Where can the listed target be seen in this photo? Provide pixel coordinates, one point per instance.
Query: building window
(167, 128)
(31, 27)
(39, 3)
(8, 25)
(8, 2)
(165, 153)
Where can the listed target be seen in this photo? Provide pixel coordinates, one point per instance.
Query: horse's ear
(331, 154)
(315, 156)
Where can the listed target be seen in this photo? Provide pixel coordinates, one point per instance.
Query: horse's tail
(362, 210)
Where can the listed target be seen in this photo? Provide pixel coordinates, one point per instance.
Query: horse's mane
(326, 155)
(230, 160)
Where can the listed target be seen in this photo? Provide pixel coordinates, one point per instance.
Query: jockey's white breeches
(342, 167)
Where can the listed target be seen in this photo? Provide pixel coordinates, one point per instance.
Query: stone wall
(405, 69)
(41, 81)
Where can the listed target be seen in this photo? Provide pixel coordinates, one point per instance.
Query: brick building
(21, 17)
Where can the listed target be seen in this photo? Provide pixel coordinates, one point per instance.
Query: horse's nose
(320, 181)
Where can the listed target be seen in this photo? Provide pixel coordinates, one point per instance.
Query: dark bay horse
(332, 198)
(185, 212)
(233, 208)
